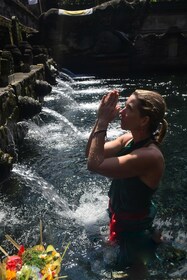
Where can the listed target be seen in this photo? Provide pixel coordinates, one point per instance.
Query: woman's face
(130, 115)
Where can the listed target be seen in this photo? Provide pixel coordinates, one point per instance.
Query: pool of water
(51, 183)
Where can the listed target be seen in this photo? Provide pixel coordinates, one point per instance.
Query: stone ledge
(16, 78)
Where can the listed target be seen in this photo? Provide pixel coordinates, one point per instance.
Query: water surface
(50, 182)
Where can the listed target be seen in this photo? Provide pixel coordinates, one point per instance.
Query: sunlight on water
(11, 221)
(7, 219)
(61, 93)
(48, 135)
(92, 90)
(39, 185)
(89, 106)
(64, 86)
(9, 216)
(51, 181)
(88, 82)
(52, 97)
(58, 95)
(61, 118)
(112, 133)
(35, 132)
(92, 210)
(2, 216)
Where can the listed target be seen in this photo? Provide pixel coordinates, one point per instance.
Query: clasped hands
(109, 107)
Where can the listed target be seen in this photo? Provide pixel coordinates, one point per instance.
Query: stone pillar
(27, 56)
(7, 67)
(16, 31)
(17, 57)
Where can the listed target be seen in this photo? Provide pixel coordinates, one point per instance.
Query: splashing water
(51, 180)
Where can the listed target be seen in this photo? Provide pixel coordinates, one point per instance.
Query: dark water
(51, 181)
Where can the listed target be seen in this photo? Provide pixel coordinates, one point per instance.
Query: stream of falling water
(51, 182)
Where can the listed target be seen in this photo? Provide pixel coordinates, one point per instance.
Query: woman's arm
(111, 147)
(107, 111)
(146, 163)
(90, 139)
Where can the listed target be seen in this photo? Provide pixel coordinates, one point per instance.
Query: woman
(134, 162)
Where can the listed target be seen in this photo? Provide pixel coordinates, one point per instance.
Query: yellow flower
(10, 275)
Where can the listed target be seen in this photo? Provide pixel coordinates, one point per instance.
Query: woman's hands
(108, 108)
(107, 111)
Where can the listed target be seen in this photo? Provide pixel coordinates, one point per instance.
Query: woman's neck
(137, 137)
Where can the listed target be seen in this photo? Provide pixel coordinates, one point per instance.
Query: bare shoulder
(114, 146)
(152, 150)
(125, 138)
(154, 165)
(151, 155)
(155, 151)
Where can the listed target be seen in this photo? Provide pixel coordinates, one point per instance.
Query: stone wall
(8, 8)
(164, 15)
(26, 72)
(19, 101)
(161, 44)
(12, 131)
(127, 36)
(15, 52)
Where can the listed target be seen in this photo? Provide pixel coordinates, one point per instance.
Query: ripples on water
(51, 182)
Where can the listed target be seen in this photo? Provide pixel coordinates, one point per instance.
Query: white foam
(92, 212)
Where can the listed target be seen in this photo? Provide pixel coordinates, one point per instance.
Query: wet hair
(152, 104)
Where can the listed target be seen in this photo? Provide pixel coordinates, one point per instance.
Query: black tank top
(130, 194)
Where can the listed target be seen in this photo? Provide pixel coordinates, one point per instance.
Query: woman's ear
(145, 121)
